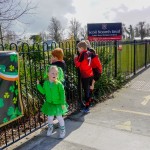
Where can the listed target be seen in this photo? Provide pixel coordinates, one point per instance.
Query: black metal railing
(127, 57)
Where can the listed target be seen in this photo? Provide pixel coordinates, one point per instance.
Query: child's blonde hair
(60, 72)
(82, 44)
(58, 52)
(53, 67)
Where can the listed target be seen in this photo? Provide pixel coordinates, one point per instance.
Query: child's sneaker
(50, 129)
(62, 132)
(85, 110)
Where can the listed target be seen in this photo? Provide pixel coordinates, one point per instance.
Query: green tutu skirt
(54, 109)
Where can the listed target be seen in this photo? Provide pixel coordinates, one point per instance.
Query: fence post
(79, 77)
(134, 57)
(145, 53)
(115, 53)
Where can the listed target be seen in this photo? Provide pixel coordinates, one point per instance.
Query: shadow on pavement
(42, 142)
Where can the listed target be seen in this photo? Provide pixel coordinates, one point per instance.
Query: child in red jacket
(95, 63)
(83, 62)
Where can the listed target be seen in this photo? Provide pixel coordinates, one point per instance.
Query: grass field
(126, 57)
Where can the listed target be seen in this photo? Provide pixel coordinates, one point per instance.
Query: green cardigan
(54, 92)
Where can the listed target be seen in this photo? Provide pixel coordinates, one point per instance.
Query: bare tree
(55, 30)
(75, 28)
(147, 30)
(1, 36)
(142, 31)
(44, 36)
(10, 36)
(136, 30)
(11, 10)
(83, 32)
(127, 32)
(123, 31)
(130, 32)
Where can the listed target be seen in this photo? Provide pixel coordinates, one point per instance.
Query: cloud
(46, 9)
(131, 17)
(96, 11)
(85, 11)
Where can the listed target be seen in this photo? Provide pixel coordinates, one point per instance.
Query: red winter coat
(83, 62)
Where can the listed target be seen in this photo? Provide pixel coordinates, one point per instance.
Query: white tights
(59, 118)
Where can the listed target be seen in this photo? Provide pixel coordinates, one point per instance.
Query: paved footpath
(120, 123)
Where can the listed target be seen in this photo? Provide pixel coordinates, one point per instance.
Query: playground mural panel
(10, 99)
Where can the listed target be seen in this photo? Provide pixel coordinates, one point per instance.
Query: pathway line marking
(130, 111)
(146, 100)
(124, 126)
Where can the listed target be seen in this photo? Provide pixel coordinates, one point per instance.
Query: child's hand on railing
(37, 81)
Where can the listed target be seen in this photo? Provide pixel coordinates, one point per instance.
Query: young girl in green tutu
(55, 103)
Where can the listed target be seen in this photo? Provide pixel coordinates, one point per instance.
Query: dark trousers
(86, 83)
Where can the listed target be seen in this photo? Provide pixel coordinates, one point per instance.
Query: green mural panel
(10, 101)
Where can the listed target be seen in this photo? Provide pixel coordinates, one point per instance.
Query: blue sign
(104, 31)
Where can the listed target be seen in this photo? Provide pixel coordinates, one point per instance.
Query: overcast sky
(85, 11)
